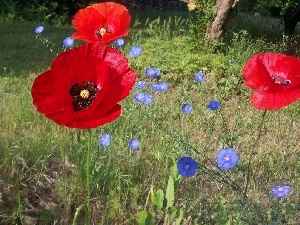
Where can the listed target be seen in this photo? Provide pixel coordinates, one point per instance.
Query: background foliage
(39, 176)
(61, 11)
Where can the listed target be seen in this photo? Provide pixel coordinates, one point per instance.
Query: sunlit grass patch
(41, 174)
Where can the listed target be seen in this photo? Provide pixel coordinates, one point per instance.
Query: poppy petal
(113, 18)
(121, 84)
(112, 81)
(87, 21)
(255, 74)
(275, 77)
(96, 119)
(270, 100)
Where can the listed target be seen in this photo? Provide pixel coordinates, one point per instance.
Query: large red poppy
(102, 22)
(275, 78)
(83, 87)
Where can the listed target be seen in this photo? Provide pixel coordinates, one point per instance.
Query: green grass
(41, 176)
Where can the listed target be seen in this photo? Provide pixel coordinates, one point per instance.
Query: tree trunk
(221, 9)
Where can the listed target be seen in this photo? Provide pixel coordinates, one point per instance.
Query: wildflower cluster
(85, 85)
(79, 89)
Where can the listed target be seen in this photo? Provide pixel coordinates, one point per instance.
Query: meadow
(41, 176)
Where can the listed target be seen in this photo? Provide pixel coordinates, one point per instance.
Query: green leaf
(174, 172)
(170, 192)
(158, 199)
(222, 219)
(144, 218)
(180, 217)
(172, 215)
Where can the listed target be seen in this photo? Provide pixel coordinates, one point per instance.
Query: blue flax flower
(148, 99)
(144, 98)
(163, 86)
(227, 158)
(119, 42)
(152, 72)
(105, 140)
(141, 84)
(186, 108)
(68, 42)
(199, 77)
(135, 51)
(214, 105)
(281, 191)
(39, 29)
(160, 87)
(187, 167)
(134, 144)
(155, 87)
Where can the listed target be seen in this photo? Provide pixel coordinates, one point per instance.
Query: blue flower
(186, 108)
(134, 144)
(155, 87)
(135, 51)
(163, 86)
(148, 99)
(199, 77)
(144, 98)
(157, 72)
(227, 158)
(160, 87)
(105, 140)
(214, 105)
(139, 97)
(39, 29)
(281, 191)
(187, 167)
(152, 72)
(141, 84)
(119, 42)
(68, 42)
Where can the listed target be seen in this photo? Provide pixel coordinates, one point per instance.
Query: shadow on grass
(21, 53)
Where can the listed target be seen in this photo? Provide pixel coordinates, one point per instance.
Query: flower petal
(112, 78)
(255, 73)
(270, 100)
(87, 21)
(96, 119)
(112, 17)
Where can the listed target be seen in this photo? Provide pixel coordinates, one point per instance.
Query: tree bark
(222, 9)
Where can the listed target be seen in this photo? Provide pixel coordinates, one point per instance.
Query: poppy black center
(83, 95)
(284, 83)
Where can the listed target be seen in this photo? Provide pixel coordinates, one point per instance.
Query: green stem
(251, 151)
(106, 187)
(88, 178)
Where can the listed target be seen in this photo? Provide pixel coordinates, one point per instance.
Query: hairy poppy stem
(88, 178)
(251, 152)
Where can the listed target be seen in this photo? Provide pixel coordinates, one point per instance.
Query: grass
(41, 180)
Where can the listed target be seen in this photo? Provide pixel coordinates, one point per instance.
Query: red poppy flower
(83, 87)
(102, 22)
(275, 78)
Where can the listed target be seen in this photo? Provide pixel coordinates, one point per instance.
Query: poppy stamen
(276, 80)
(83, 95)
(100, 32)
